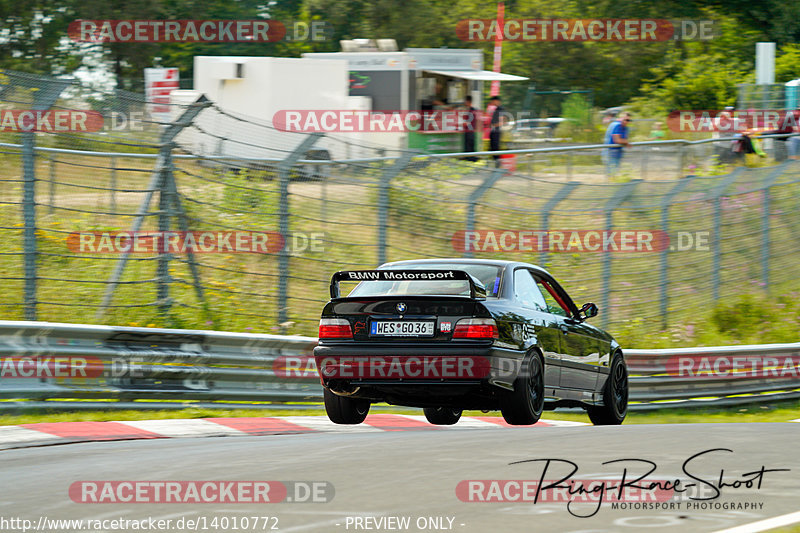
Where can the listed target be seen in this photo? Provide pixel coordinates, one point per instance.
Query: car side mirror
(588, 310)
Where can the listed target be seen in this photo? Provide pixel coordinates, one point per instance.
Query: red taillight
(476, 328)
(335, 328)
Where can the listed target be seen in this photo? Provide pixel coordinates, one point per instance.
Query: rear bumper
(418, 374)
(400, 349)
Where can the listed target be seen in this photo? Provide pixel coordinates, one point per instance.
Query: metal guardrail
(124, 367)
(73, 366)
(716, 376)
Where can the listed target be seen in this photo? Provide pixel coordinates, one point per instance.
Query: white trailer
(255, 89)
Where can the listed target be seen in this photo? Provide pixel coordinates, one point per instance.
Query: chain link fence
(70, 200)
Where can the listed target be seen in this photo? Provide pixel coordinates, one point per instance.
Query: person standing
(486, 120)
(793, 143)
(616, 134)
(496, 123)
(657, 133)
(470, 126)
(723, 127)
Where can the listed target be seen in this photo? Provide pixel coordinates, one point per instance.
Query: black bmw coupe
(454, 334)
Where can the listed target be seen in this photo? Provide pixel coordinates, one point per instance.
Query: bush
(758, 318)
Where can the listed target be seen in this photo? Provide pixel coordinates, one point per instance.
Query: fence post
(665, 205)
(52, 184)
(29, 220)
(570, 158)
(383, 200)
(43, 99)
(283, 221)
(165, 202)
(324, 199)
(113, 184)
(479, 191)
(716, 194)
(621, 195)
(183, 225)
(561, 195)
(569, 167)
(771, 178)
(645, 156)
(158, 182)
(765, 245)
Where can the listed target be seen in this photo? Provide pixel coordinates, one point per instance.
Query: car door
(534, 308)
(581, 348)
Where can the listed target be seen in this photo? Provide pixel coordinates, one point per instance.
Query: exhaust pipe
(342, 387)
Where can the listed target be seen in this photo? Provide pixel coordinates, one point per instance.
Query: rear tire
(344, 410)
(615, 397)
(442, 416)
(524, 406)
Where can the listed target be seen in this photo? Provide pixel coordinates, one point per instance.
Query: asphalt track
(414, 474)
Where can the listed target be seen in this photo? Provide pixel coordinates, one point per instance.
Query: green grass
(777, 412)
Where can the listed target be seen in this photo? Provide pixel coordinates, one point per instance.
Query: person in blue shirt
(616, 133)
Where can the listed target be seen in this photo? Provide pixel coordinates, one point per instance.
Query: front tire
(442, 416)
(524, 406)
(344, 410)
(615, 397)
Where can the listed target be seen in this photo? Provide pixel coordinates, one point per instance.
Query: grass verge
(777, 412)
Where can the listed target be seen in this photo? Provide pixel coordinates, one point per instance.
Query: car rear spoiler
(476, 289)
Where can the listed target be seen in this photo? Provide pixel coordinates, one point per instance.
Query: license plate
(401, 328)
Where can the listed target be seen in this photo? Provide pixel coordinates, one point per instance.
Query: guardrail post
(479, 191)
(622, 194)
(665, 205)
(158, 182)
(43, 99)
(561, 195)
(283, 222)
(384, 184)
(716, 194)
